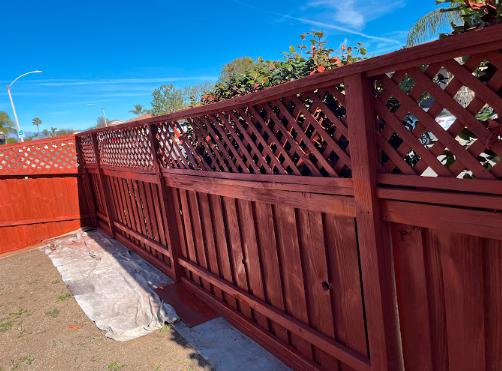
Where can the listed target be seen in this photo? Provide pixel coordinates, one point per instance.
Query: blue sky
(114, 53)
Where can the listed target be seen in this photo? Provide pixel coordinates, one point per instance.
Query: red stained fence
(39, 192)
(350, 220)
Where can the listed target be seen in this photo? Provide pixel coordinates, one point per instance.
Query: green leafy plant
(6, 324)
(63, 296)
(476, 13)
(311, 56)
(115, 366)
(25, 360)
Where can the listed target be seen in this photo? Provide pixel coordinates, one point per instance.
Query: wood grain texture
(374, 248)
(39, 208)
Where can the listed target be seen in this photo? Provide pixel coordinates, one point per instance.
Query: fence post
(83, 174)
(374, 245)
(103, 186)
(170, 225)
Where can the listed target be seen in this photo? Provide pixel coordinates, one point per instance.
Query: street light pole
(9, 93)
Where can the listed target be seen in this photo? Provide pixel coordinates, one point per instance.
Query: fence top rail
(453, 46)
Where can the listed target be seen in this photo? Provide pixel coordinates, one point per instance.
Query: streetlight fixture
(20, 134)
(102, 112)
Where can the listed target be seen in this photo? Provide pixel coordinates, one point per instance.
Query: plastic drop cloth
(113, 286)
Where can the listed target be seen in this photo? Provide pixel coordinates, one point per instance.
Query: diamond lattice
(87, 155)
(303, 134)
(125, 147)
(39, 156)
(442, 119)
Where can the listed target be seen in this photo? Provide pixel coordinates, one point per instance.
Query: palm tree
(458, 16)
(431, 24)
(138, 109)
(37, 122)
(53, 131)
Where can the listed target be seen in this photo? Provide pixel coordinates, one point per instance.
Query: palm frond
(428, 26)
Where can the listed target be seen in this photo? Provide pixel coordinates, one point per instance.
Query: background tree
(235, 68)
(6, 124)
(193, 94)
(432, 24)
(138, 110)
(37, 122)
(168, 98)
(53, 131)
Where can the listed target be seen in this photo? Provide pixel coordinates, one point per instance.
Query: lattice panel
(126, 148)
(39, 156)
(178, 147)
(304, 134)
(442, 119)
(87, 155)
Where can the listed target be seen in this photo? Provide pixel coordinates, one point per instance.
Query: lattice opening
(445, 119)
(464, 96)
(442, 78)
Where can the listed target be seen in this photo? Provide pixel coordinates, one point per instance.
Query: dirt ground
(43, 328)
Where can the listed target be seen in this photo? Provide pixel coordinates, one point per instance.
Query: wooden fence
(350, 220)
(39, 192)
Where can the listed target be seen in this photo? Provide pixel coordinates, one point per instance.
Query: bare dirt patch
(43, 328)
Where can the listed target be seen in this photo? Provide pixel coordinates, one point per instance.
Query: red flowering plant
(310, 57)
(473, 13)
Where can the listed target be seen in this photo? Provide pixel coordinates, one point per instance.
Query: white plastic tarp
(113, 286)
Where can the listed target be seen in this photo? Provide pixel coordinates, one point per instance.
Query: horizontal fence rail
(350, 220)
(41, 195)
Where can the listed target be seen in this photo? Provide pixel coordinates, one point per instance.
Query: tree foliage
(138, 110)
(245, 75)
(168, 98)
(430, 25)
(238, 66)
(457, 16)
(312, 56)
(6, 124)
(37, 122)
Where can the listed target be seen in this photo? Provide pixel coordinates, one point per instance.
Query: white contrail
(57, 82)
(320, 24)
